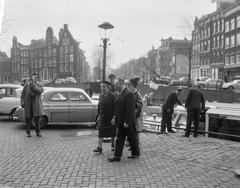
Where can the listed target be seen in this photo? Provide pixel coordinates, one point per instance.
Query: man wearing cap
(167, 110)
(32, 104)
(132, 85)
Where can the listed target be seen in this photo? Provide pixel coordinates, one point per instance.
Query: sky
(138, 24)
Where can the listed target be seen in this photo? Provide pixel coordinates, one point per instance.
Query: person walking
(195, 102)
(32, 104)
(167, 111)
(106, 108)
(125, 120)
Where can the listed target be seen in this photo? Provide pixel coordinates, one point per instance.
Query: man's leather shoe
(39, 135)
(172, 131)
(114, 159)
(29, 135)
(133, 157)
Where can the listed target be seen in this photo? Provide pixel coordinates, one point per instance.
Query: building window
(214, 25)
(66, 49)
(50, 62)
(233, 58)
(238, 57)
(54, 51)
(226, 59)
(45, 53)
(232, 24)
(232, 41)
(222, 25)
(226, 26)
(238, 22)
(214, 42)
(66, 67)
(238, 39)
(66, 58)
(71, 49)
(227, 42)
(61, 58)
(71, 58)
(40, 63)
(45, 62)
(61, 50)
(61, 67)
(49, 52)
(71, 67)
(54, 61)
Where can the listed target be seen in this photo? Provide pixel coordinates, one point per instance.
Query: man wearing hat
(167, 110)
(132, 85)
(112, 79)
(32, 104)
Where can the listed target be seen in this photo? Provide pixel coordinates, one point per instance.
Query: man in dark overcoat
(194, 103)
(167, 110)
(125, 120)
(32, 104)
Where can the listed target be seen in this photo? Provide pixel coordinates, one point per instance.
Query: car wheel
(231, 88)
(10, 116)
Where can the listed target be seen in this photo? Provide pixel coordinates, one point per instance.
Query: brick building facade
(51, 58)
(5, 68)
(215, 43)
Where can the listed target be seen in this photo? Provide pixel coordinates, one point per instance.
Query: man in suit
(167, 110)
(194, 103)
(125, 120)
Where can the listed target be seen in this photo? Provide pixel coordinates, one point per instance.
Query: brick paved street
(64, 158)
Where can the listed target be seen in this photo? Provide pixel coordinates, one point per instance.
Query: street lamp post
(105, 26)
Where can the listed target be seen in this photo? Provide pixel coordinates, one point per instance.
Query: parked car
(64, 105)
(9, 99)
(234, 85)
(200, 81)
(174, 82)
(214, 83)
(163, 80)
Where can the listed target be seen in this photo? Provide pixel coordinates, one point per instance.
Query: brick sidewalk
(62, 158)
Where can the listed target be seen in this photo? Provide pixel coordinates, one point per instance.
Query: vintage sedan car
(234, 85)
(65, 105)
(9, 99)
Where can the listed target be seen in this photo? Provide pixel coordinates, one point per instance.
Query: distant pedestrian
(88, 89)
(125, 120)
(194, 103)
(32, 104)
(112, 80)
(106, 108)
(167, 111)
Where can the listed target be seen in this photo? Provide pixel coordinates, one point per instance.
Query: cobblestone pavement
(64, 158)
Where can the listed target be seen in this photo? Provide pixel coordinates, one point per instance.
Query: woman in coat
(32, 104)
(106, 108)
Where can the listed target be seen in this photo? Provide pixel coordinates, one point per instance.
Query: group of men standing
(194, 104)
(126, 112)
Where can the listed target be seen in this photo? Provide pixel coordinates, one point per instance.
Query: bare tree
(186, 28)
(97, 57)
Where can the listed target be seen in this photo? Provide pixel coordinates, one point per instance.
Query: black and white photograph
(119, 94)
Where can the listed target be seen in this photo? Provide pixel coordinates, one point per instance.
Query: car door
(57, 107)
(81, 108)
